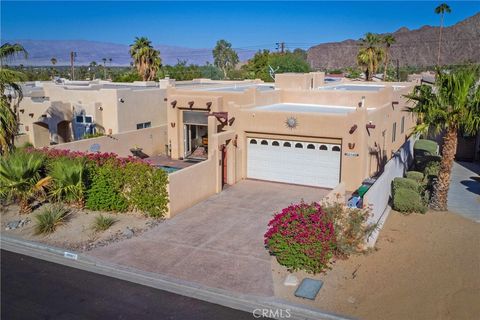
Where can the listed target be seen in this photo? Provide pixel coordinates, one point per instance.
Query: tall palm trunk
(385, 65)
(440, 195)
(440, 41)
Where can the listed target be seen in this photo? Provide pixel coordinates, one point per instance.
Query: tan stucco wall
(191, 185)
(151, 140)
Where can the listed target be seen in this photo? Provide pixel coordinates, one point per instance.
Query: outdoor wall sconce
(209, 105)
(352, 129)
(172, 124)
(165, 99)
(31, 115)
(43, 116)
(190, 104)
(231, 121)
(100, 108)
(351, 145)
(174, 103)
(22, 110)
(121, 100)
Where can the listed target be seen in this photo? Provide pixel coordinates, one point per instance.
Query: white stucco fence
(378, 196)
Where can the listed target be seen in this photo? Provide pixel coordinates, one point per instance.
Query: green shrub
(93, 135)
(105, 188)
(405, 183)
(68, 180)
(51, 217)
(408, 200)
(432, 169)
(414, 175)
(146, 188)
(423, 147)
(421, 162)
(102, 223)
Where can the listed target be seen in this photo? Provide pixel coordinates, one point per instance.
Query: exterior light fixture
(351, 145)
(22, 110)
(209, 105)
(172, 124)
(174, 103)
(352, 129)
(100, 108)
(31, 115)
(190, 104)
(165, 99)
(121, 100)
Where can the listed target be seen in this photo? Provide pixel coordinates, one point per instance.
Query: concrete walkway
(218, 242)
(464, 193)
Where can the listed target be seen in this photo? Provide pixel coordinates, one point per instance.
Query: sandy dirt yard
(77, 232)
(423, 267)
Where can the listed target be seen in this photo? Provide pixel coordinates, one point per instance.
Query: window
(264, 142)
(298, 145)
(394, 131)
(275, 143)
(323, 147)
(402, 125)
(310, 146)
(253, 141)
(287, 144)
(336, 149)
(83, 119)
(144, 125)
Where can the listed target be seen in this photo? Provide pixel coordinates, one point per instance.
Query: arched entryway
(64, 131)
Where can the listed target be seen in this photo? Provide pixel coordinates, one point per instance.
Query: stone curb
(247, 303)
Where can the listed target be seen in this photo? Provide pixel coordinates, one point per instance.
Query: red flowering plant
(302, 236)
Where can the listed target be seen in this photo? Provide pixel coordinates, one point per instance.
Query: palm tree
(441, 10)
(145, 58)
(388, 40)
(54, 62)
(9, 90)
(104, 68)
(370, 55)
(20, 178)
(453, 105)
(68, 176)
(92, 67)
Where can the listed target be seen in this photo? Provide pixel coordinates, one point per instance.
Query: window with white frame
(144, 125)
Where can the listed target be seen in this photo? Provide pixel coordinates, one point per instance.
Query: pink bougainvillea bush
(307, 236)
(302, 237)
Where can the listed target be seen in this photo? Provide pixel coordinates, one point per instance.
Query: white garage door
(306, 163)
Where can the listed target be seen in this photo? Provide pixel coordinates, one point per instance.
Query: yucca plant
(50, 218)
(20, 178)
(67, 177)
(102, 223)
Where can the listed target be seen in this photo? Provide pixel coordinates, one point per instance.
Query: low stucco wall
(337, 194)
(378, 196)
(151, 140)
(191, 185)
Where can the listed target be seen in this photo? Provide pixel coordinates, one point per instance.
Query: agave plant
(67, 175)
(20, 178)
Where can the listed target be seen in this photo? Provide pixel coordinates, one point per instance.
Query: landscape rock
(15, 224)
(128, 232)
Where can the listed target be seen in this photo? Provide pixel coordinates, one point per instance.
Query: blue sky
(199, 24)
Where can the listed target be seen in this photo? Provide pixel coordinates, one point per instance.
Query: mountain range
(40, 52)
(460, 44)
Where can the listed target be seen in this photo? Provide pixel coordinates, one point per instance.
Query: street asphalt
(37, 289)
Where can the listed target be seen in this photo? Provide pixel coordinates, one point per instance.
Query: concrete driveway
(464, 192)
(218, 242)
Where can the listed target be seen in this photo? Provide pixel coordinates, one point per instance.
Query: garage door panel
(314, 166)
